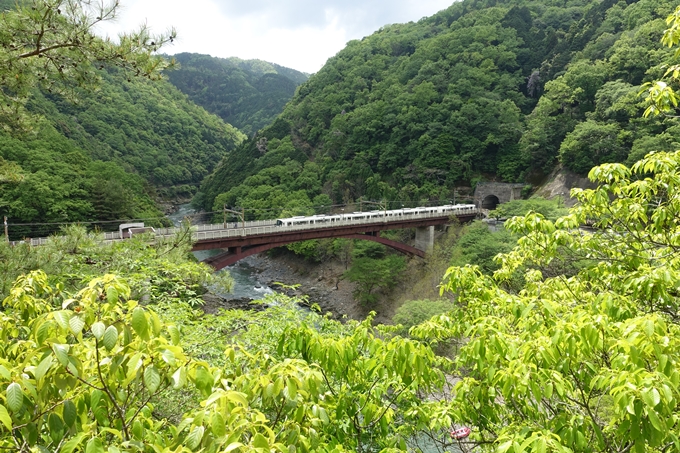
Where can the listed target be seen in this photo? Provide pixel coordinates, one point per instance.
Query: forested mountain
(111, 155)
(492, 89)
(248, 94)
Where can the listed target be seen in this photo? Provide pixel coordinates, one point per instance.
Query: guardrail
(250, 231)
(217, 230)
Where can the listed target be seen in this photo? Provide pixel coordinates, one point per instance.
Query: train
(392, 214)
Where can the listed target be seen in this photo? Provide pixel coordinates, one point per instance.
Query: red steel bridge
(240, 240)
(247, 240)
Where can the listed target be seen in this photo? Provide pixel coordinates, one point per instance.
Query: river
(246, 283)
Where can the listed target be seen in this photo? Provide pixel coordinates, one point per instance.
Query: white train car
(393, 214)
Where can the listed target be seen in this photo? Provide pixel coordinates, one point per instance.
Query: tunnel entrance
(490, 202)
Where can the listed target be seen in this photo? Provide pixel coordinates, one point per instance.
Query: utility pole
(6, 233)
(240, 214)
(382, 205)
(224, 216)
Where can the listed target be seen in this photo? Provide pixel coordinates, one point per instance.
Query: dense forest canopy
(579, 354)
(247, 94)
(569, 343)
(484, 90)
(90, 131)
(111, 155)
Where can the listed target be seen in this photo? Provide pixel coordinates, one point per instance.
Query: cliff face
(559, 184)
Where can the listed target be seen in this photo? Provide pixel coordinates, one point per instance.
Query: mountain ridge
(484, 90)
(248, 94)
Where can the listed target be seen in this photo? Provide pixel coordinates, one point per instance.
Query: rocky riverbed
(320, 284)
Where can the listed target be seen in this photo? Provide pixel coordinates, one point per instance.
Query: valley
(550, 326)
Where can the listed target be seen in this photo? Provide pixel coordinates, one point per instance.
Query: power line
(203, 213)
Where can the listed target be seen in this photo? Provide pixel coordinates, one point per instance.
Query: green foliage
(662, 98)
(81, 370)
(582, 362)
(306, 249)
(550, 209)
(479, 90)
(414, 312)
(72, 101)
(368, 249)
(146, 126)
(88, 368)
(159, 271)
(372, 275)
(591, 144)
(58, 182)
(248, 94)
(478, 246)
(284, 187)
(51, 45)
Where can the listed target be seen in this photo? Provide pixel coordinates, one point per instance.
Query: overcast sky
(299, 34)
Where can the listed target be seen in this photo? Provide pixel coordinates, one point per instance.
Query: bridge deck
(207, 240)
(213, 236)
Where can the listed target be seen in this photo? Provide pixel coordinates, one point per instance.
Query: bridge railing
(250, 231)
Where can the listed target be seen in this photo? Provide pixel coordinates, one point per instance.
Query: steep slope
(111, 156)
(246, 93)
(413, 110)
(149, 127)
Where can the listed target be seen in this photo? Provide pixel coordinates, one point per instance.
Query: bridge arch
(237, 253)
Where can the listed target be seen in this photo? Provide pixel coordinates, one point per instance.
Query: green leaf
(71, 444)
(169, 357)
(61, 351)
(43, 367)
(204, 379)
(237, 397)
(110, 337)
(259, 441)
(111, 295)
(138, 430)
(15, 397)
(155, 323)
(194, 437)
(651, 397)
(292, 388)
(69, 413)
(30, 432)
(152, 378)
(217, 425)
(76, 324)
(98, 330)
(139, 322)
(179, 377)
(655, 420)
(174, 334)
(5, 418)
(233, 446)
(43, 332)
(62, 317)
(55, 423)
(94, 445)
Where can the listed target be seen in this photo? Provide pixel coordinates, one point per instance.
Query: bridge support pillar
(425, 238)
